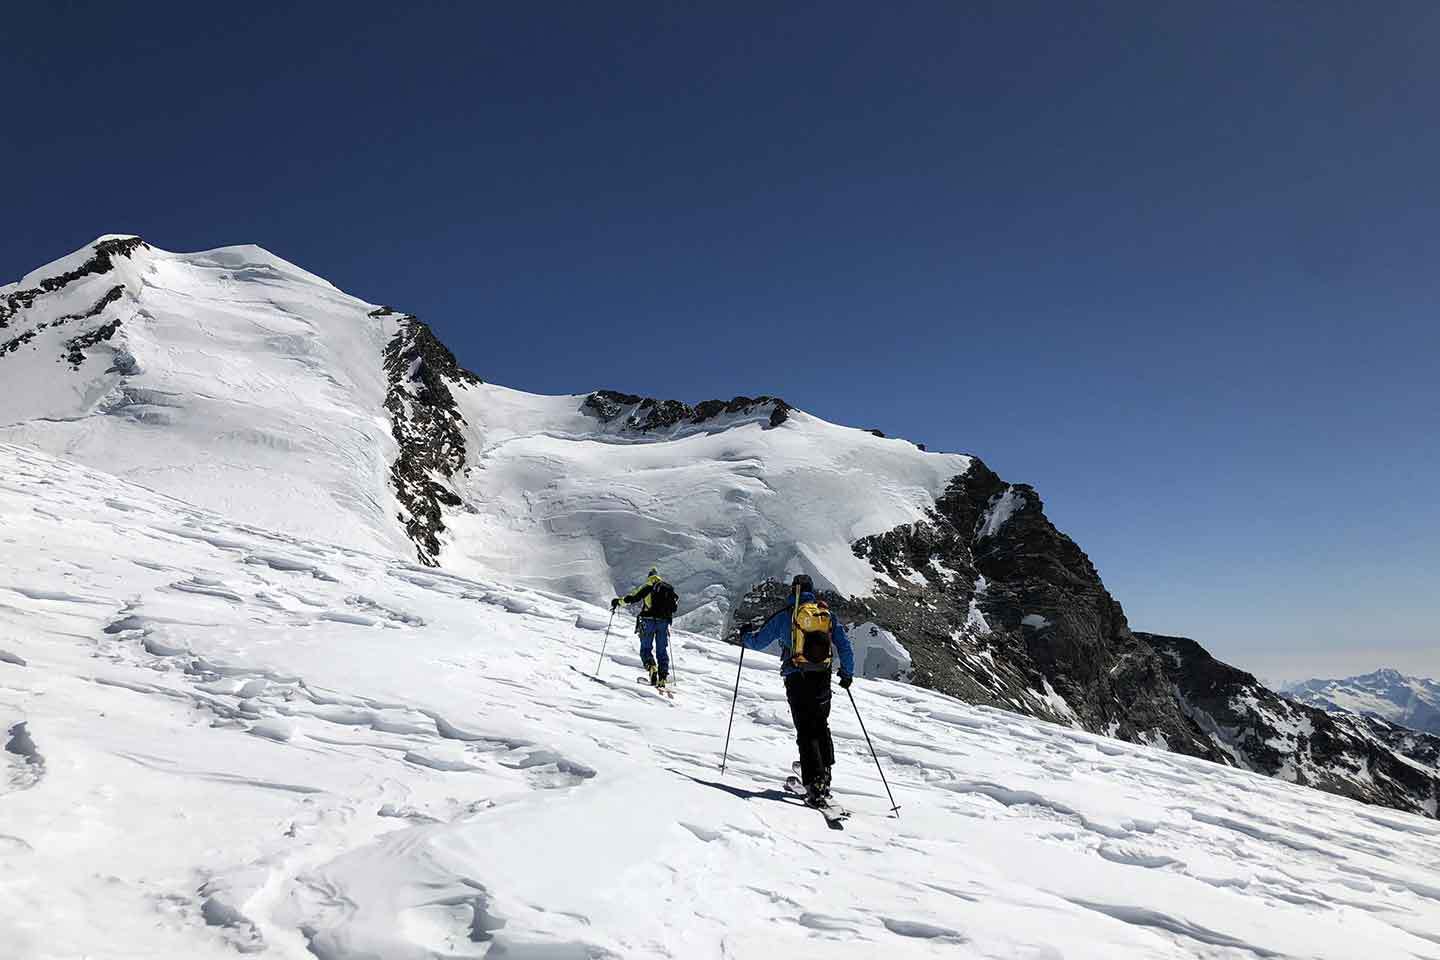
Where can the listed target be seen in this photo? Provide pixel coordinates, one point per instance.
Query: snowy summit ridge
(240, 383)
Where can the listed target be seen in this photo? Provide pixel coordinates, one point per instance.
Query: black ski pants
(809, 696)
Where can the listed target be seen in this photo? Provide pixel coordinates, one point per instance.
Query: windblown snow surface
(220, 739)
(235, 379)
(560, 502)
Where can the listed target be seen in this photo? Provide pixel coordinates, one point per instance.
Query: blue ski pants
(656, 634)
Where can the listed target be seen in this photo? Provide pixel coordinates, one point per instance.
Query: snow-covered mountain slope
(238, 382)
(570, 499)
(230, 377)
(222, 737)
(1388, 694)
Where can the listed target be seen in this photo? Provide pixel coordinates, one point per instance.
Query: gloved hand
(614, 604)
(845, 681)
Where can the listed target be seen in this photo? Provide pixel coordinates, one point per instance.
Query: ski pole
(894, 807)
(726, 755)
(604, 644)
(670, 645)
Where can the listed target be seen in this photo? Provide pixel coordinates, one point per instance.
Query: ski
(664, 691)
(833, 813)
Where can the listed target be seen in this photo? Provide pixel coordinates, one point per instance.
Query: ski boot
(661, 681)
(814, 797)
(824, 785)
(654, 671)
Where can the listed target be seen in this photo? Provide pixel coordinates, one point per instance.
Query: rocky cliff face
(427, 427)
(1421, 748)
(1003, 608)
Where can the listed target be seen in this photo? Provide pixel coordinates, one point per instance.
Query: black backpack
(663, 601)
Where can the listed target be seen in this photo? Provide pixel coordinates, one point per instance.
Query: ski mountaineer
(809, 637)
(658, 602)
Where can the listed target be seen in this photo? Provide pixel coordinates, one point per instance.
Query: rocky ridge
(1263, 731)
(426, 425)
(1001, 607)
(1422, 748)
(101, 261)
(645, 415)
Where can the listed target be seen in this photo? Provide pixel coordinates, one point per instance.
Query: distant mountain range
(1412, 702)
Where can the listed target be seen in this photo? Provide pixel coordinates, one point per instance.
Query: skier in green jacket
(658, 601)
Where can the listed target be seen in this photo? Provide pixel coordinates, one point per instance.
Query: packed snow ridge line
(236, 380)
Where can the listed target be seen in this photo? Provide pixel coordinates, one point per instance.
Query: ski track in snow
(222, 739)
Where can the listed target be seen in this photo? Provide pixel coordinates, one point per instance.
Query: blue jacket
(778, 628)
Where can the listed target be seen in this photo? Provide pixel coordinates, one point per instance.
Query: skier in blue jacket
(809, 637)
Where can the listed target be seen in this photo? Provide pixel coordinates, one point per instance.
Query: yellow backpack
(810, 630)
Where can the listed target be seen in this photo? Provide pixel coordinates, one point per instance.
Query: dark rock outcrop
(18, 341)
(426, 424)
(646, 414)
(997, 606)
(75, 346)
(101, 261)
(1420, 747)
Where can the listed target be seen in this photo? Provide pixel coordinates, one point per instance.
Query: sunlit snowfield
(239, 739)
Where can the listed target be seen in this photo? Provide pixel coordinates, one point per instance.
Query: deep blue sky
(1176, 264)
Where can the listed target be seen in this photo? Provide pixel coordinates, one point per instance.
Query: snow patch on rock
(878, 654)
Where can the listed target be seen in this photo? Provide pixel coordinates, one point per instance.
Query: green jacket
(641, 595)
